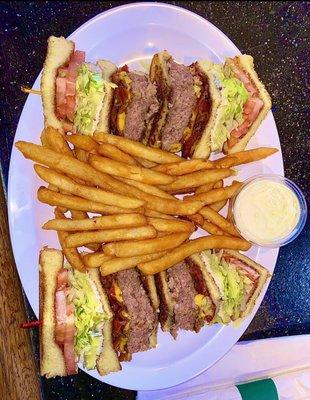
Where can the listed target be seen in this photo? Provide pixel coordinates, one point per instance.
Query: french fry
(155, 191)
(72, 255)
(244, 157)
(137, 149)
(54, 140)
(134, 172)
(114, 265)
(197, 179)
(78, 203)
(215, 195)
(212, 229)
(95, 223)
(149, 246)
(151, 213)
(168, 225)
(76, 168)
(196, 218)
(229, 212)
(218, 220)
(81, 154)
(182, 191)
(193, 246)
(145, 163)
(76, 214)
(82, 142)
(209, 186)
(110, 235)
(94, 260)
(218, 205)
(95, 194)
(184, 167)
(110, 151)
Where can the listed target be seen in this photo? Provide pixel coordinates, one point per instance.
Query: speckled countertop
(277, 35)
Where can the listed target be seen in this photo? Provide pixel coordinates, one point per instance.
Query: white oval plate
(131, 34)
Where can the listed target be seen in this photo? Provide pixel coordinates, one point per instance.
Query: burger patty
(181, 102)
(142, 316)
(183, 293)
(201, 288)
(143, 106)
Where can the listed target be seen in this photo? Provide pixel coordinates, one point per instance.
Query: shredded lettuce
(89, 317)
(234, 96)
(232, 287)
(90, 89)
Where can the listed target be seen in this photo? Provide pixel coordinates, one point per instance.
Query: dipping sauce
(266, 211)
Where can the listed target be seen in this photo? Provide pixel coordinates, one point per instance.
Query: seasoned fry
(114, 265)
(82, 142)
(147, 188)
(184, 167)
(209, 186)
(149, 246)
(229, 212)
(215, 195)
(54, 140)
(168, 225)
(137, 149)
(197, 179)
(89, 224)
(94, 260)
(218, 205)
(110, 235)
(217, 219)
(244, 157)
(133, 172)
(72, 255)
(110, 151)
(193, 246)
(78, 203)
(70, 186)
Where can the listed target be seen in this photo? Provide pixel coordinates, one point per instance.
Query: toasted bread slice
(263, 276)
(246, 62)
(59, 51)
(203, 147)
(107, 361)
(52, 361)
(107, 69)
(166, 307)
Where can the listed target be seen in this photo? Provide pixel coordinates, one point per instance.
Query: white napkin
(286, 360)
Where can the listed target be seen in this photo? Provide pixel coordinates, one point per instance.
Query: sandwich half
(240, 102)
(135, 317)
(237, 282)
(176, 94)
(76, 95)
(218, 286)
(76, 319)
(134, 106)
(188, 297)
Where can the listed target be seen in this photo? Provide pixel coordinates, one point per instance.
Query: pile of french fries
(130, 190)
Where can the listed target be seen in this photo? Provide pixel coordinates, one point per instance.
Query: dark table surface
(276, 34)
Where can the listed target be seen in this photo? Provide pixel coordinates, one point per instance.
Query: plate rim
(115, 379)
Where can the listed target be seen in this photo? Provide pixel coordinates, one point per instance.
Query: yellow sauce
(266, 211)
